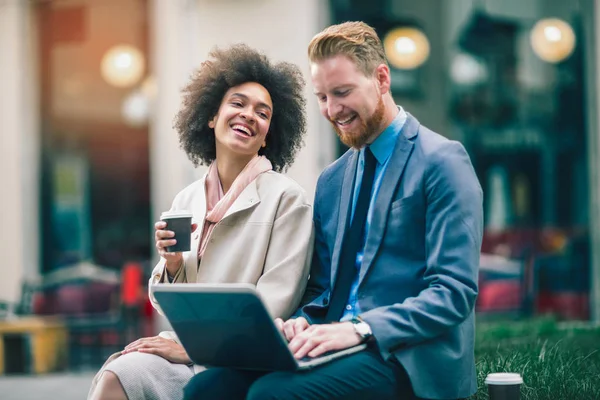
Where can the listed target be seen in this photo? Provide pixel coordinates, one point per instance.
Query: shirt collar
(383, 146)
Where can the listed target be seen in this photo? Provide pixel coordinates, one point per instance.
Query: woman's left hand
(165, 348)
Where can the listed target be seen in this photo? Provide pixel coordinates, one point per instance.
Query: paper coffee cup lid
(503, 378)
(176, 214)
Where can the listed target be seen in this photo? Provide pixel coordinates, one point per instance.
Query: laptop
(228, 325)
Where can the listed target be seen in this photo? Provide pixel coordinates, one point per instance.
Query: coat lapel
(247, 199)
(391, 178)
(344, 214)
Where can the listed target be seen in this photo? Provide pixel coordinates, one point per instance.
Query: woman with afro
(244, 117)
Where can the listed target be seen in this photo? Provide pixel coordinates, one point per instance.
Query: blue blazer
(418, 280)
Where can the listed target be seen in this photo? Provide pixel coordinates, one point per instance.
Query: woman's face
(243, 120)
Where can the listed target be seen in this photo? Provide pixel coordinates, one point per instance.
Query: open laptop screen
(224, 325)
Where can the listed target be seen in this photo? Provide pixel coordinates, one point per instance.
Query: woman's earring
(264, 144)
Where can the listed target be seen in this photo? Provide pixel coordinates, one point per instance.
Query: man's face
(349, 99)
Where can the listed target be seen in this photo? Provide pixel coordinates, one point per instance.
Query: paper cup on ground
(504, 386)
(180, 222)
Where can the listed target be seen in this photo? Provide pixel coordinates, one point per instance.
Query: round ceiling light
(122, 66)
(467, 70)
(552, 40)
(406, 48)
(136, 109)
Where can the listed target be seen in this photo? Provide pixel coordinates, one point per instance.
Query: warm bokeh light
(123, 66)
(135, 109)
(553, 40)
(406, 48)
(138, 105)
(467, 70)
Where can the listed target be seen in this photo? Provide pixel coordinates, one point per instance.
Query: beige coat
(265, 238)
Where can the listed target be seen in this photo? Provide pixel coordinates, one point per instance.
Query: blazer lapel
(344, 212)
(391, 178)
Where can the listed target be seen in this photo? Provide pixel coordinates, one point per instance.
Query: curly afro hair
(226, 68)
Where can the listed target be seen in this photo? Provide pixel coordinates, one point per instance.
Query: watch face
(363, 329)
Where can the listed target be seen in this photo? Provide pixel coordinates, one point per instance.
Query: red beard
(366, 130)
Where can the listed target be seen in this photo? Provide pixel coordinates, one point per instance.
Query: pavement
(64, 386)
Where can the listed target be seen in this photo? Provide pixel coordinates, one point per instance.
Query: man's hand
(291, 327)
(319, 339)
(166, 348)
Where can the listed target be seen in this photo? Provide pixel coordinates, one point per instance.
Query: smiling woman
(244, 117)
(213, 81)
(242, 123)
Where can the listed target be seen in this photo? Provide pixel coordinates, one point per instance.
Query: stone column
(19, 151)
(172, 33)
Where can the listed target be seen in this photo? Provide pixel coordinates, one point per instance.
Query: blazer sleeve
(288, 257)
(315, 300)
(453, 235)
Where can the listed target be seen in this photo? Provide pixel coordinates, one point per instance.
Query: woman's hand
(164, 238)
(165, 348)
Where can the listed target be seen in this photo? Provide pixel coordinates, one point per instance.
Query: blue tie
(353, 242)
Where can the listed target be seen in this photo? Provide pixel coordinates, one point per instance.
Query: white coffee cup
(504, 385)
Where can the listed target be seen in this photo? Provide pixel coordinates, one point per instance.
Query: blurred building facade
(90, 163)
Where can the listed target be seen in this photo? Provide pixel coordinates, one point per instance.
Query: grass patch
(556, 362)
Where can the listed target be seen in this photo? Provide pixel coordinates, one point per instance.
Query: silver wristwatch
(362, 329)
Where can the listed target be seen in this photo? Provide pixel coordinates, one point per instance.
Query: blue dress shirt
(382, 149)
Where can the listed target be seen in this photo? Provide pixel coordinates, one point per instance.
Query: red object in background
(566, 305)
(499, 295)
(43, 304)
(514, 243)
(71, 299)
(148, 310)
(77, 298)
(131, 284)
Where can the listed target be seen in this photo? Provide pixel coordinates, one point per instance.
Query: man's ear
(383, 76)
